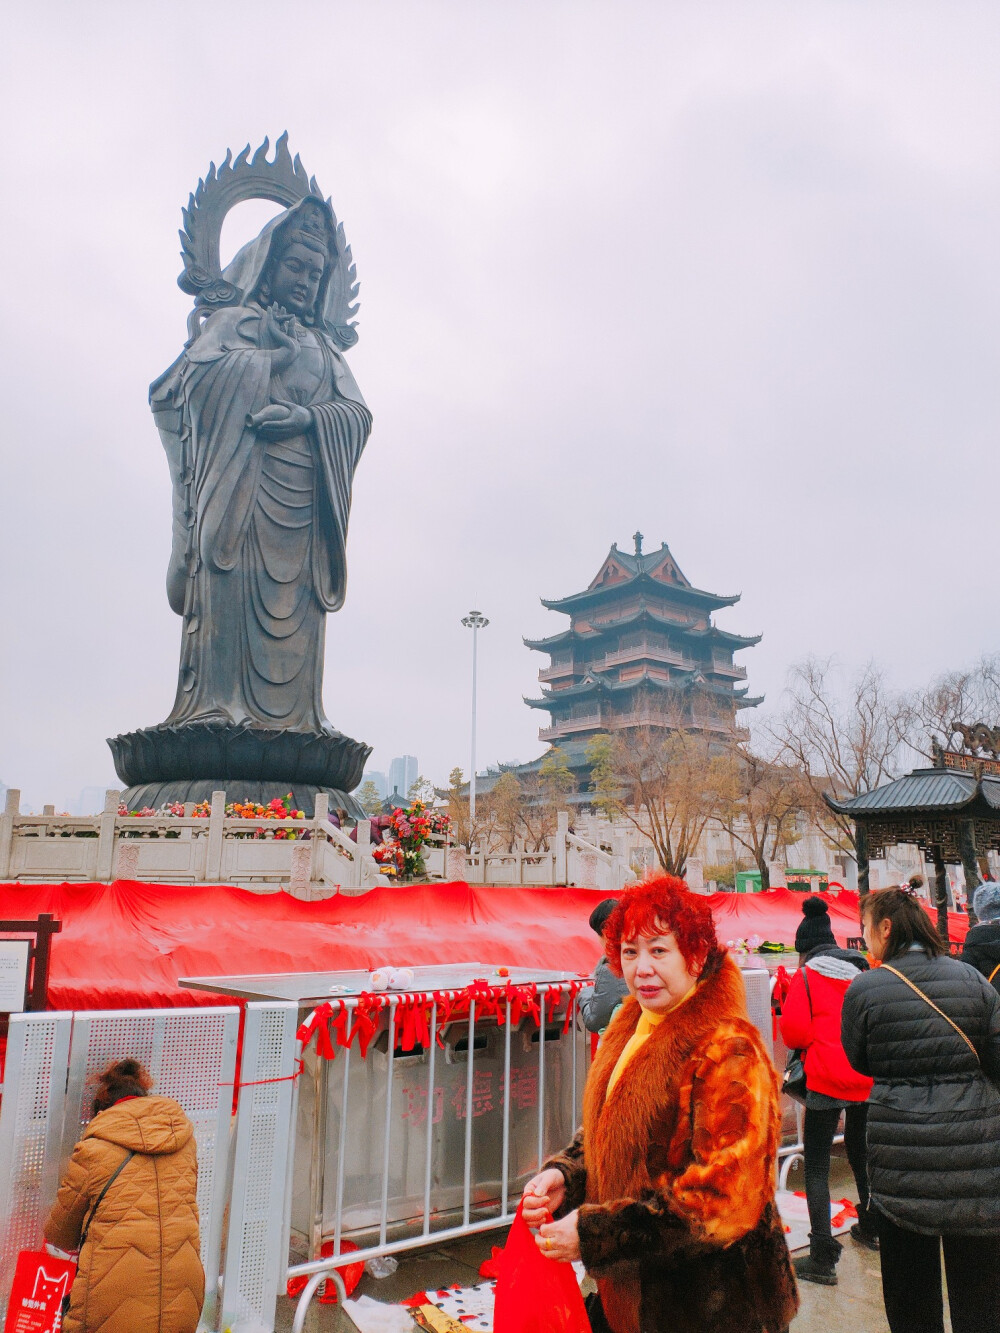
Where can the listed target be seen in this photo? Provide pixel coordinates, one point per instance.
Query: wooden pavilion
(950, 811)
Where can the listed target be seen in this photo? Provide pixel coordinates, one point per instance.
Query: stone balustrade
(221, 849)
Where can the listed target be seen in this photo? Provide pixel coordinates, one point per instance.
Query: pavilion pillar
(861, 852)
(940, 890)
(970, 864)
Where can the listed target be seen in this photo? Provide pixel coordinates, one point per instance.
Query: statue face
(296, 278)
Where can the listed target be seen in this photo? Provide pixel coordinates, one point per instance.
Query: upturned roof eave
(726, 636)
(684, 591)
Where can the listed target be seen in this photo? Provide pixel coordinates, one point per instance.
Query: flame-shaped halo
(283, 181)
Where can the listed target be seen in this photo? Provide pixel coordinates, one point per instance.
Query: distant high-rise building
(402, 774)
(379, 780)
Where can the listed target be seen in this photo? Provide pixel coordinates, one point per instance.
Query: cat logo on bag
(40, 1283)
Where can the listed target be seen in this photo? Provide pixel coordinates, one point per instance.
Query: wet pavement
(853, 1306)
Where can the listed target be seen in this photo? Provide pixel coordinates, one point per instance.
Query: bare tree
(498, 813)
(421, 789)
(544, 794)
(458, 809)
(668, 786)
(968, 696)
(760, 802)
(847, 743)
(502, 812)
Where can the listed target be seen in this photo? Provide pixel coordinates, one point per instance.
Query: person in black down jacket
(933, 1118)
(982, 944)
(599, 1002)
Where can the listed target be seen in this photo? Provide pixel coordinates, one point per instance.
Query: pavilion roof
(936, 790)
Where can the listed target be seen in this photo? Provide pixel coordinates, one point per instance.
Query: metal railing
(52, 1065)
(549, 1134)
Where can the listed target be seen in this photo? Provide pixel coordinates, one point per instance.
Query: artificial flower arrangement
(389, 858)
(279, 808)
(407, 831)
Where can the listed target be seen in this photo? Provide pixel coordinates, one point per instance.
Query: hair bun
(815, 907)
(127, 1068)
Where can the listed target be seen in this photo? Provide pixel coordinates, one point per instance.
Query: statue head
(299, 260)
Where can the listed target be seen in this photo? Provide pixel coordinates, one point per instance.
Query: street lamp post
(475, 621)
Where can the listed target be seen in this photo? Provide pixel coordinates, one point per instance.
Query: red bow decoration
(366, 1020)
(413, 1014)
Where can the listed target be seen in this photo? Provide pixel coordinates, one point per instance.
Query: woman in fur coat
(667, 1192)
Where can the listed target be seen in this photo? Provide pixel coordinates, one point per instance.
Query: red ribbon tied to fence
(413, 1013)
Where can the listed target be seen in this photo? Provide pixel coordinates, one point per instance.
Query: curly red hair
(661, 906)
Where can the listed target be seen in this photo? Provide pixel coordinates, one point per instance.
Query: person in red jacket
(810, 1021)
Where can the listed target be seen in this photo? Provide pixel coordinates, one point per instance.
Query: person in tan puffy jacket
(139, 1268)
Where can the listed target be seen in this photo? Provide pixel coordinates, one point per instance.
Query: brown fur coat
(673, 1173)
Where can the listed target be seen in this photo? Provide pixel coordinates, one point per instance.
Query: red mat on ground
(124, 945)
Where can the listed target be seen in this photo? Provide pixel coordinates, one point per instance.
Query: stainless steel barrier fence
(416, 1141)
(260, 1200)
(53, 1062)
(31, 1128)
(454, 1143)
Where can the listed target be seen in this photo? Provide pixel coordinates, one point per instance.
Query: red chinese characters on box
(482, 1095)
(523, 1088)
(415, 1106)
(40, 1283)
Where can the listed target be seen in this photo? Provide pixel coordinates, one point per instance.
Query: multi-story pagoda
(640, 650)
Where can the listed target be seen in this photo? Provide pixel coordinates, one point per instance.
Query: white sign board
(14, 955)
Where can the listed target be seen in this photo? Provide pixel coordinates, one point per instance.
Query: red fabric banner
(124, 945)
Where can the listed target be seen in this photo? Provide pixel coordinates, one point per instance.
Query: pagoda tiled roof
(638, 569)
(647, 614)
(595, 682)
(679, 591)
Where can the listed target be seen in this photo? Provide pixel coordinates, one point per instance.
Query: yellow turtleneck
(648, 1023)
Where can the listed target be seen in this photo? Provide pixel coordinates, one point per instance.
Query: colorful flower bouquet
(389, 858)
(407, 832)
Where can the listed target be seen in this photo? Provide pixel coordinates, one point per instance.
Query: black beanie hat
(815, 928)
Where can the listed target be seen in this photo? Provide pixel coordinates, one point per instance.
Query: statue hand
(276, 338)
(283, 420)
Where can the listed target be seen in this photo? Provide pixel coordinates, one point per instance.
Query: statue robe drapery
(259, 527)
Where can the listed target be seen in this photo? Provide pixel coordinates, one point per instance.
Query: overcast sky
(727, 273)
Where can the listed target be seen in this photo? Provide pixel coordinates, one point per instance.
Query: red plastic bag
(40, 1283)
(326, 1293)
(535, 1294)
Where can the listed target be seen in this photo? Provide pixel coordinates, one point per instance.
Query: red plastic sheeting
(775, 915)
(125, 944)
